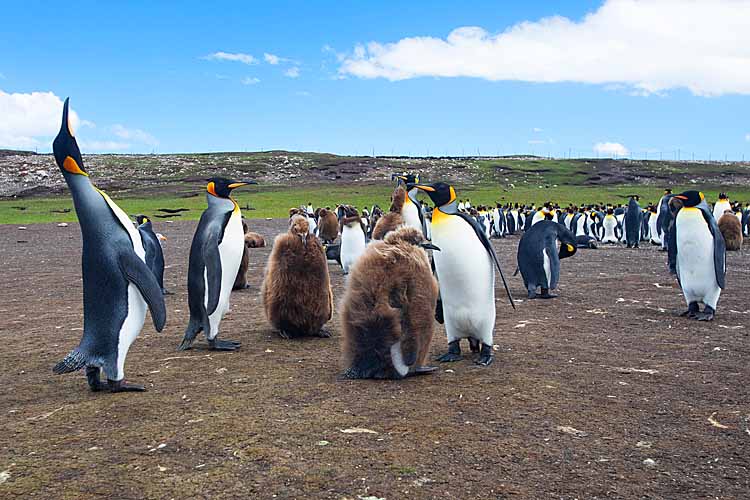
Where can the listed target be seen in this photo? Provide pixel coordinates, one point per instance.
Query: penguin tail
(72, 362)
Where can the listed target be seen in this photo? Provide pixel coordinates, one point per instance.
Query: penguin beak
(681, 197)
(429, 189)
(427, 245)
(240, 184)
(65, 147)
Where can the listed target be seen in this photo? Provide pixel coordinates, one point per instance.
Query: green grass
(276, 201)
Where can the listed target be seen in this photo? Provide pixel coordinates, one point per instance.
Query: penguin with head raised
(387, 309)
(154, 252)
(215, 258)
(633, 223)
(297, 295)
(697, 254)
(118, 286)
(465, 269)
(539, 257)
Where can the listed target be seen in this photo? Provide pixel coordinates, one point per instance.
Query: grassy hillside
(35, 190)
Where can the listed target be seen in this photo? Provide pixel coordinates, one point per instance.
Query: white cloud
(135, 135)
(250, 80)
(537, 129)
(747, 137)
(611, 148)
(292, 72)
(648, 46)
(271, 59)
(230, 56)
(32, 120)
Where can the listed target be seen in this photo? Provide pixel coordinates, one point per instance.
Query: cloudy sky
(639, 78)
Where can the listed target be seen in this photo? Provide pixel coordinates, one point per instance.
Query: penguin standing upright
(117, 283)
(539, 258)
(465, 268)
(611, 227)
(633, 222)
(387, 308)
(352, 237)
(297, 295)
(215, 257)
(328, 225)
(394, 218)
(411, 210)
(663, 219)
(731, 230)
(721, 206)
(697, 254)
(154, 252)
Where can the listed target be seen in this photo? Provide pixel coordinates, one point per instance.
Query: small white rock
(649, 463)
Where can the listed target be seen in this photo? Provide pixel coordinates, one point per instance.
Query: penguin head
(405, 178)
(141, 219)
(298, 226)
(65, 147)
(690, 198)
(440, 193)
(723, 196)
(222, 188)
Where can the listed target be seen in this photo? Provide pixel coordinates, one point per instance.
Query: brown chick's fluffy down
(393, 219)
(328, 226)
(731, 229)
(297, 294)
(390, 297)
(240, 282)
(254, 240)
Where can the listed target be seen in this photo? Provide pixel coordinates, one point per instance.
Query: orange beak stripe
(679, 196)
(211, 188)
(71, 166)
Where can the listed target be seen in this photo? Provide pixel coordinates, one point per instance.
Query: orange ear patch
(70, 165)
(211, 188)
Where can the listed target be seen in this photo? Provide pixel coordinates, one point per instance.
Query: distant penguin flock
(405, 269)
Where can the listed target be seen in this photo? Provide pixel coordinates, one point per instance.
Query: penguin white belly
(352, 246)
(621, 221)
(547, 267)
(581, 226)
(131, 327)
(609, 229)
(410, 213)
(653, 233)
(230, 251)
(135, 236)
(312, 226)
(695, 258)
(467, 279)
(720, 207)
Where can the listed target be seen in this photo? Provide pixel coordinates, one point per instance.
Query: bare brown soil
(584, 389)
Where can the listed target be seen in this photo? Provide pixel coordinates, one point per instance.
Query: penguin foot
(284, 335)
(421, 370)
(531, 295)
(692, 311)
(486, 356)
(92, 377)
(453, 354)
(706, 315)
(323, 334)
(546, 295)
(223, 345)
(473, 344)
(123, 386)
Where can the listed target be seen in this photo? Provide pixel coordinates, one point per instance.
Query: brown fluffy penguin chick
(328, 225)
(731, 229)
(296, 291)
(254, 240)
(387, 310)
(240, 282)
(393, 219)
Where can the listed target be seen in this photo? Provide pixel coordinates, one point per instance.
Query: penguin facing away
(154, 252)
(465, 269)
(697, 254)
(387, 308)
(296, 291)
(117, 283)
(539, 258)
(633, 223)
(215, 258)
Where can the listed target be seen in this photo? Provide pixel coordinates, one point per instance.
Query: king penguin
(697, 254)
(539, 258)
(117, 283)
(215, 257)
(154, 252)
(721, 206)
(633, 223)
(411, 209)
(465, 269)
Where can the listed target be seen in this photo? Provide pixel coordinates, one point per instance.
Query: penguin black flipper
(136, 272)
(720, 248)
(212, 260)
(488, 246)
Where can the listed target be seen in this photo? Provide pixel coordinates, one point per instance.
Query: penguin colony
(404, 267)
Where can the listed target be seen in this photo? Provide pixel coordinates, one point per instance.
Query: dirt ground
(601, 393)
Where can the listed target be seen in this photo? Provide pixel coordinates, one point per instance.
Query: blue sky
(145, 77)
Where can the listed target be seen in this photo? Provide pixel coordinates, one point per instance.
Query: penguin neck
(221, 204)
(449, 208)
(87, 200)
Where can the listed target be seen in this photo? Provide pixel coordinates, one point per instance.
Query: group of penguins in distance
(405, 269)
